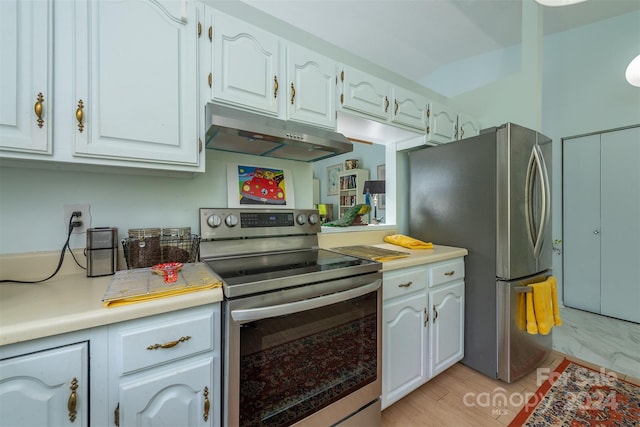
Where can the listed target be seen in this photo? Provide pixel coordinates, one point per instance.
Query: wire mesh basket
(150, 246)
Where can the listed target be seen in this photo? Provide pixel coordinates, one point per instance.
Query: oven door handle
(251, 314)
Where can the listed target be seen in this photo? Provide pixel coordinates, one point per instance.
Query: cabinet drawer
(161, 339)
(402, 282)
(446, 272)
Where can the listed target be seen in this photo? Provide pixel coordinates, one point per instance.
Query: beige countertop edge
(420, 256)
(73, 303)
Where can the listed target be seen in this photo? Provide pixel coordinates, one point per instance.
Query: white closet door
(620, 224)
(581, 222)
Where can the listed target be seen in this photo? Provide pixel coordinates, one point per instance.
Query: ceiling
(414, 38)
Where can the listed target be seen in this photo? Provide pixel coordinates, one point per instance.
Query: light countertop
(74, 302)
(420, 256)
(71, 301)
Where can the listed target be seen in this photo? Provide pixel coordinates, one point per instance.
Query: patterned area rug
(285, 383)
(575, 395)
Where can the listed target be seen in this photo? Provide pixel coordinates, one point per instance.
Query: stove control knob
(301, 219)
(214, 221)
(314, 219)
(231, 221)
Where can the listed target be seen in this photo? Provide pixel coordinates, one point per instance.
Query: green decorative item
(350, 217)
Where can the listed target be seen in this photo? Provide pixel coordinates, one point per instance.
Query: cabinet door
(311, 87)
(409, 109)
(581, 222)
(177, 395)
(25, 75)
(467, 126)
(442, 123)
(47, 388)
(205, 64)
(404, 346)
(246, 65)
(364, 93)
(447, 327)
(135, 80)
(620, 224)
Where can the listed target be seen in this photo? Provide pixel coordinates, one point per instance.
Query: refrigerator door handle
(536, 166)
(546, 196)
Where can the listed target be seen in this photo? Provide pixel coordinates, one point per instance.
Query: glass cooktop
(252, 274)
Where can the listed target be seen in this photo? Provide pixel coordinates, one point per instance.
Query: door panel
(620, 224)
(581, 224)
(447, 327)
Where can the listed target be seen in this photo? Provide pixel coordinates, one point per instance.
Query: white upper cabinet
(364, 93)
(205, 64)
(467, 126)
(409, 109)
(135, 81)
(246, 65)
(442, 123)
(310, 86)
(378, 99)
(26, 75)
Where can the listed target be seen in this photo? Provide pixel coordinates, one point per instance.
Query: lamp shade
(374, 187)
(633, 72)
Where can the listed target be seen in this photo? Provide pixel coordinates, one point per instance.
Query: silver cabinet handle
(596, 231)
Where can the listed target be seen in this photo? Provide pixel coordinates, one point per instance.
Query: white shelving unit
(351, 187)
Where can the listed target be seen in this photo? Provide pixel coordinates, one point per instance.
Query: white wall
(584, 90)
(32, 200)
(517, 97)
(584, 87)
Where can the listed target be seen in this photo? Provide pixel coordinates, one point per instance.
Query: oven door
(308, 354)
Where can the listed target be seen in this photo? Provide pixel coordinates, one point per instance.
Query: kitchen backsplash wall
(32, 203)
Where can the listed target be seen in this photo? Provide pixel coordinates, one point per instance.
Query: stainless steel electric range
(302, 325)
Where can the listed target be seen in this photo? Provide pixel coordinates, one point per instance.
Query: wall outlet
(85, 217)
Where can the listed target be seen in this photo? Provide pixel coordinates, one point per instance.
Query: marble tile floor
(611, 343)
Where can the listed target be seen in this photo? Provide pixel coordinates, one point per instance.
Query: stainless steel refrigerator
(491, 194)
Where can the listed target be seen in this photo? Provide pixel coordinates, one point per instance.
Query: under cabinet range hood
(239, 131)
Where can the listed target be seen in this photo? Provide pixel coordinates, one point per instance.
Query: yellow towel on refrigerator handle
(407, 242)
(542, 307)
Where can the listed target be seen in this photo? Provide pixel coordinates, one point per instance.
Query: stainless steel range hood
(239, 131)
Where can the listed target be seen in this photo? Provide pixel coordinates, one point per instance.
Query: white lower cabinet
(163, 368)
(46, 388)
(177, 395)
(446, 339)
(405, 346)
(423, 325)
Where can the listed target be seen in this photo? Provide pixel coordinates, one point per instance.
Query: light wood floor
(462, 397)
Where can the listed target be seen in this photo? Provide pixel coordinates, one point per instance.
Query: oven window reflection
(295, 365)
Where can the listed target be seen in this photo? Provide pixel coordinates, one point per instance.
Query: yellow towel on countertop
(407, 242)
(143, 284)
(161, 294)
(542, 307)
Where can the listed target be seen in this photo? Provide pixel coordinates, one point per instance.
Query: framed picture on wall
(333, 181)
(259, 186)
(382, 200)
